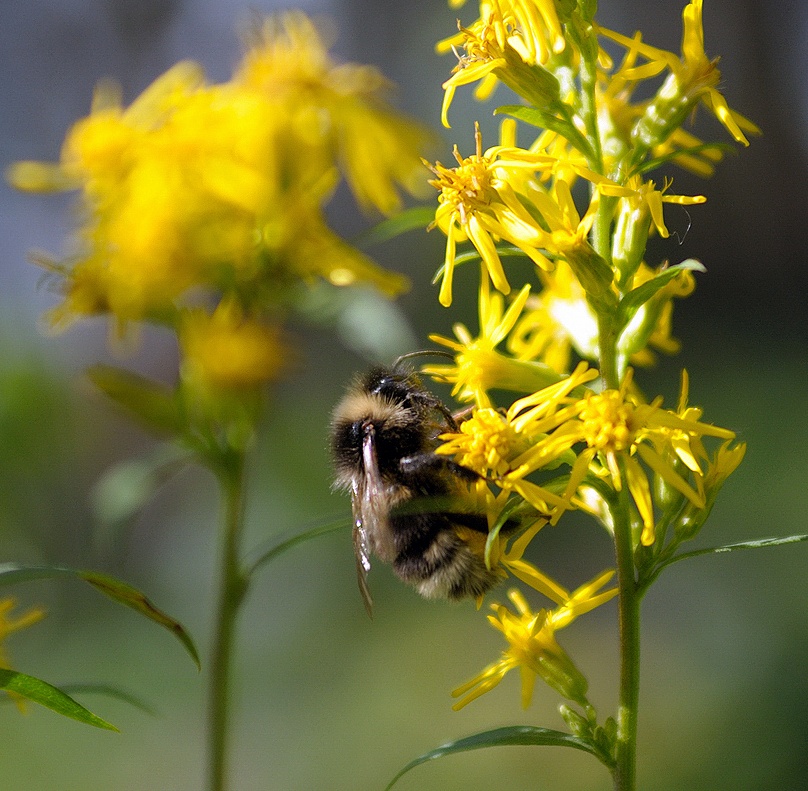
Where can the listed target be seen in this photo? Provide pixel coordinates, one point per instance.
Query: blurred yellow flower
(222, 187)
(339, 110)
(228, 350)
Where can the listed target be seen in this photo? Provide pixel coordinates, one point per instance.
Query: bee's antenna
(422, 353)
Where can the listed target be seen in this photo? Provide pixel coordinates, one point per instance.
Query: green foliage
(153, 404)
(510, 736)
(50, 697)
(121, 592)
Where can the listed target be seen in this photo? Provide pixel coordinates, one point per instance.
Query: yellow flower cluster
(578, 204)
(199, 192)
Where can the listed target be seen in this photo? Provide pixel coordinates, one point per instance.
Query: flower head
(522, 444)
(478, 366)
(228, 350)
(622, 431)
(221, 187)
(509, 41)
(335, 108)
(478, 202)
(533, 648)
(692, 78)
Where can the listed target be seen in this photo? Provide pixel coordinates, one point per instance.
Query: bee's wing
(368, 494)
(361, 546)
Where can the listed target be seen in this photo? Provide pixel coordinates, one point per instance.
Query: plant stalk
(231, 594)
(625, 772)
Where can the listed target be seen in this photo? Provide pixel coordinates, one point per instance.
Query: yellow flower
(221, 187)
(509, 38)
(9, 625)
(511, 560)
(620, 430)
(556, 320)
(478, 366)
(335, 108)
(533, 648)
(227, 350)
(478, 202)
(519, 447)
(641, 200)
(306, 248)
(693, 78)
(559, 320)
(486, 443)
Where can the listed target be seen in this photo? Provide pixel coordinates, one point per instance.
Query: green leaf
(694, 151)
(530, 115)
(503, 251)
(637, 297)
(264, 556)
(12, 573)
(544, 120)
(124, 489)
(756, 544)
(108, 691)
(417, 217)
(151, 402)
(510, 736)
(49, 696)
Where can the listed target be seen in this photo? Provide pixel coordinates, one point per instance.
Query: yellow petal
(641, 492)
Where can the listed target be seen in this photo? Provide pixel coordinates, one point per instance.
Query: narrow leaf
(49, 696)
(11, 573)
(637, 297)
(544, 120)
(129, 596)
(151, 402)
(108, 691)
(756, 544)
(530, 115)
(514, 735)
(123, 489)
(417, 217)
(315, 532)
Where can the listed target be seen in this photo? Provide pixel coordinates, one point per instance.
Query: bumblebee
(408, 501)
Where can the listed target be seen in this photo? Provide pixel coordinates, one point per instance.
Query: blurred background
(325, 699)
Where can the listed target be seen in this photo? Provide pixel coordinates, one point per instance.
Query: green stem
(607, 341)
(231, 594)
(625, 773)
(589, 111)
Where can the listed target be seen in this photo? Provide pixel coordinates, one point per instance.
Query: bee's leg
(421, 462)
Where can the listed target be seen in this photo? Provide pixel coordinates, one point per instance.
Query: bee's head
(388, 408)
(396, 386)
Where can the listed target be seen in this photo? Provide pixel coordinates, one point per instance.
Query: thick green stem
(629, 611)
(231, 594)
